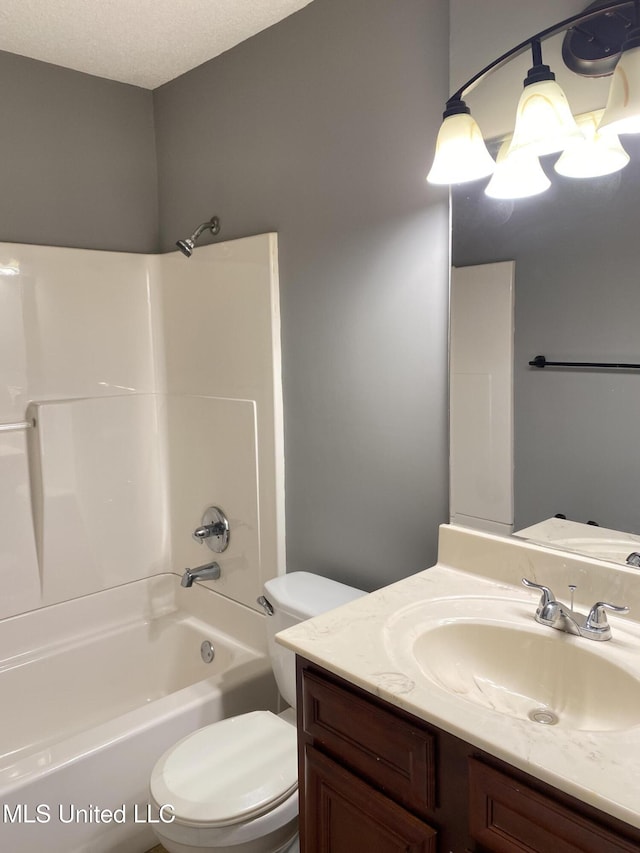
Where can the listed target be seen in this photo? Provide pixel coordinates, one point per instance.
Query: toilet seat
(230, 772)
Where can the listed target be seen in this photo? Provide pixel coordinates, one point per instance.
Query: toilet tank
(295, 597)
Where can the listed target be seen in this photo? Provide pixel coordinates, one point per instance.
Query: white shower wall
(155, 385)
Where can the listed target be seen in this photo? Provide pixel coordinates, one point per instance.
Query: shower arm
(187, 245)
(213, 226)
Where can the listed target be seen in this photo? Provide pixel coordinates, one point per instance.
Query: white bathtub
(93, 690)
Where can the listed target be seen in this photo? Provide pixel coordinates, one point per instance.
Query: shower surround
(154, 386)
(135, 392)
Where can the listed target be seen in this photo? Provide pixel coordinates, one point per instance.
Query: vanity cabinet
(350, 815)
(378, 780)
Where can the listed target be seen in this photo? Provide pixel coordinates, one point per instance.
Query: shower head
(187, 245)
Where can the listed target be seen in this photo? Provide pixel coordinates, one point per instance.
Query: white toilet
(233, 785)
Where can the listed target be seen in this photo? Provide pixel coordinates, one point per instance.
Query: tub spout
(210, 572)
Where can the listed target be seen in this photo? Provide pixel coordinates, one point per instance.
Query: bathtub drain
(544, 716)
(207, 651)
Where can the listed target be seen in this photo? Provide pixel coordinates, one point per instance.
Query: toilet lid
(228, 772)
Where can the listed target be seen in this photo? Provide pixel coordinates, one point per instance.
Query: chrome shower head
(187, 245)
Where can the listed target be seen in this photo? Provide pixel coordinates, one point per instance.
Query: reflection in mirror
(592, 540)
(576, 249)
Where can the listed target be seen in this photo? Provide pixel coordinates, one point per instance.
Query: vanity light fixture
(602, 40)
(544, 121)
(622, 113)
(596, 152)
(461, 153)
(518, 174)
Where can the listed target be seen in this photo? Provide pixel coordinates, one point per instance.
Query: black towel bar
(541, 361)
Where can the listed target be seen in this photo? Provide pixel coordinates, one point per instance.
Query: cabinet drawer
(350, 816)
(507, 816)
(378, 744)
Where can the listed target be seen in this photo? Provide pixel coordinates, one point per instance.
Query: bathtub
(93, 690)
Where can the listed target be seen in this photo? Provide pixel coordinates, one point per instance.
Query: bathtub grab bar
(17, 426)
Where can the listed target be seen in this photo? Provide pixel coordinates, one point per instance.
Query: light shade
(461, 154)
(594, 154)
(544, 123)
(622, 113)
(518, 174)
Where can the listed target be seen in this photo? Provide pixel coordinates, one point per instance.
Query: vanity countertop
(368, 642)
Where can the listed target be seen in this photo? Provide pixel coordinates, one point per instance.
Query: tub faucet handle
(214, 530)
(207, 530)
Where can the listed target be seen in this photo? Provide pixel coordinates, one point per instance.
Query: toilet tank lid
(303, 594)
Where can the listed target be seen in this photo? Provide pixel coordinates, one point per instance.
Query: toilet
(233, 785)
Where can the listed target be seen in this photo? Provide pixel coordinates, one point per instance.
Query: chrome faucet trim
(208, 530)
(214, 530)
(210, 572)
(554, 614)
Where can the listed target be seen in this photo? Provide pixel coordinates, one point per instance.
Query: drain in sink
(544, 716)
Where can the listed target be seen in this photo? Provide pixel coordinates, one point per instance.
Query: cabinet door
(342, 814)
(374, 742)
(507, 816)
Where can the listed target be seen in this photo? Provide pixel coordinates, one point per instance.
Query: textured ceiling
(143, 42)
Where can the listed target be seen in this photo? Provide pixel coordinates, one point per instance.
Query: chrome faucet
(593, 626)
(207, 530)
(214, 530)
(210, 572)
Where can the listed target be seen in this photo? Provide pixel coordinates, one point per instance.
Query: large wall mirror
(576, 249)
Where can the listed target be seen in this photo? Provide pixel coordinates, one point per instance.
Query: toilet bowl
(232, 787)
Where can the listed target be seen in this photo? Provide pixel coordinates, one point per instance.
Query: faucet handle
(214, 530)
(597, 618)
(547, 597)
(207, 530)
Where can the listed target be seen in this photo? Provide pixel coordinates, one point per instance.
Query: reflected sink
(514, 666)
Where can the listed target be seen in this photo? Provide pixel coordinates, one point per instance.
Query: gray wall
(322, 128)
(77, 159)
(577, 299)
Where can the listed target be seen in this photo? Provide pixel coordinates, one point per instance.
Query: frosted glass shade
(461, 154)
(544, 123)
(622, 113)
(594, 155)
(518, 174)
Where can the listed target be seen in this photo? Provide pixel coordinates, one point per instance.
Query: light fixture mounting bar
(566, 24)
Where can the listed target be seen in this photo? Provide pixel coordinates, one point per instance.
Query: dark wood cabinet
(380, 747)
(350, 815)
(378, 780)
(508, 816)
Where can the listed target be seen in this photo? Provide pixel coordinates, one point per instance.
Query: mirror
(576, 249)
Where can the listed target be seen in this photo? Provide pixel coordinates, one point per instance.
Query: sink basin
(514, 666)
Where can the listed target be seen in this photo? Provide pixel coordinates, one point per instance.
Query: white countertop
(368, 643)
